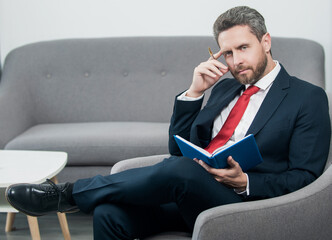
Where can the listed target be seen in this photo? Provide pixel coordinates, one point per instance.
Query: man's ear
(266, 42)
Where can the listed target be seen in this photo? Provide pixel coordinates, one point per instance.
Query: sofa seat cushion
(96, 143)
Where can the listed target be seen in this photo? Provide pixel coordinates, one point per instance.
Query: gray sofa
(105, 100)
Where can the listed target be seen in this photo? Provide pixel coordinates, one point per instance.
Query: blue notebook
(245, 152)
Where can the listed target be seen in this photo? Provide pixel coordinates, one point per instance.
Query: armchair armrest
(137, 162)
(304, 214)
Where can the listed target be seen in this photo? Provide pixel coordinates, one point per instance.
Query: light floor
(80, 227)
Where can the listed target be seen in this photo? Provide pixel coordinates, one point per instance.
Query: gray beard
(257, 73)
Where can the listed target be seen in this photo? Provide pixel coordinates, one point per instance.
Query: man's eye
(244, 47)
(228, 53)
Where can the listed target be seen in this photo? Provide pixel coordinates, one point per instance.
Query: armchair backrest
(329, 159)
(302, 58)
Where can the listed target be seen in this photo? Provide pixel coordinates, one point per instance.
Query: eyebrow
(237, 47)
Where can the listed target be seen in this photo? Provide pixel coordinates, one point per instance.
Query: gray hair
(244, 16)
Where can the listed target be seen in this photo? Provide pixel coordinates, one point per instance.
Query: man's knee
(183, 169)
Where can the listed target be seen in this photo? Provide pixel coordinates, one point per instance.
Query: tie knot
(251, 90)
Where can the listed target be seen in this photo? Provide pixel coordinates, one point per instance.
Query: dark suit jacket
(292, 130)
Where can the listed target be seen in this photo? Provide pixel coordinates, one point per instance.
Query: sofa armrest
(16, 112)
(137, 162)
(304, 214)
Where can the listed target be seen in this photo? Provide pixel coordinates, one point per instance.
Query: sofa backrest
(126, 79)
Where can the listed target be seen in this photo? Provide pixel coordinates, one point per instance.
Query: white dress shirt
(254, 104)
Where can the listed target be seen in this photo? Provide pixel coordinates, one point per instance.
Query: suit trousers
(140, 202)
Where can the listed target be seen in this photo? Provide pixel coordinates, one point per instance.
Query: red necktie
(232, 120)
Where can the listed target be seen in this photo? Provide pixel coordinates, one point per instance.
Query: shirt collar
(268, 79)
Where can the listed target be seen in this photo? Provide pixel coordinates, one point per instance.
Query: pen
(211, 54)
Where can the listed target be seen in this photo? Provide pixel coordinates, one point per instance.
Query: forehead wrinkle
(235, 37)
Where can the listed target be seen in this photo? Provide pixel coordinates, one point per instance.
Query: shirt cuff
(183, 97)
(244, 193)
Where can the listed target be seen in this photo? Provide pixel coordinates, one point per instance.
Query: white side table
(29, 167)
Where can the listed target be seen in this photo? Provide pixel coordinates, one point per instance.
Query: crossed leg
(176, 180)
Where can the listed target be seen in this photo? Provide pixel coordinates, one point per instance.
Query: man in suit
(288, 117)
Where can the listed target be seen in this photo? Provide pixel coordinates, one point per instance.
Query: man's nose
(237, 59)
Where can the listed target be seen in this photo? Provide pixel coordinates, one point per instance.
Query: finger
(204, 165)
(219, 65)
(215, 55)
(211, 170)
(214, 66)
(218, 179)
(231, 162)
(196, 160)
(208, 71)
(216, 70)
(211, 66)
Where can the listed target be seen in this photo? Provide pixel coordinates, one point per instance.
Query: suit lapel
(223, 99)
(271, 102)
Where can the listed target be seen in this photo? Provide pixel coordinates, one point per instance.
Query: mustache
(241, 68)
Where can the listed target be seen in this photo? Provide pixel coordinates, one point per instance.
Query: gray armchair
(304, 214)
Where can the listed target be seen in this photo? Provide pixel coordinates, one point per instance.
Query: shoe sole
(29, 213)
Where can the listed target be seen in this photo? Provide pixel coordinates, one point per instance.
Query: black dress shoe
(40, 199)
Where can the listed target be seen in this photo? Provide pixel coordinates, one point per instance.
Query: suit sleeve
(308, 151)
(184, 114)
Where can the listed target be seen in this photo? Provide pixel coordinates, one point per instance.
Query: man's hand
(232, 176)
(206, 75)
